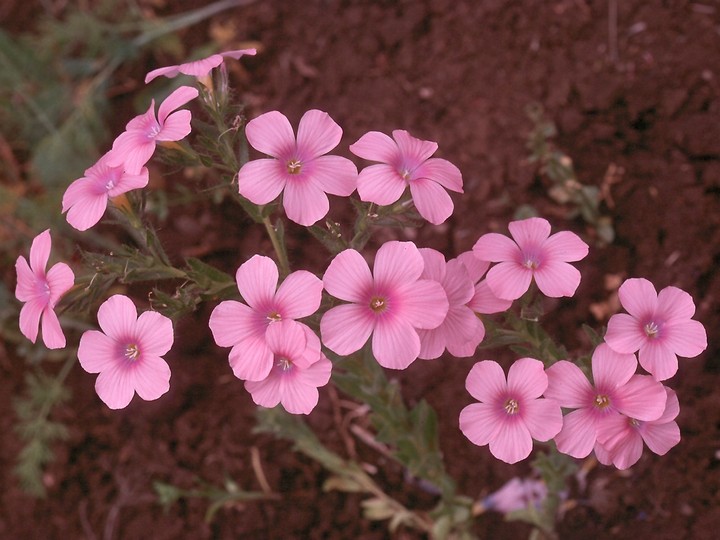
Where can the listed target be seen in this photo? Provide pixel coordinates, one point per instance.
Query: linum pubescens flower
(297, 168)
(531, 254)
(405, 162)
(657, 326)
(41, 291)
(390, 305)
(135, 146)
(86, 199)
(198, 68)
(127, 353)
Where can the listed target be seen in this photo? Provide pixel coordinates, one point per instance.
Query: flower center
(285, 364)
(294, 166)
(405, 174)
(531, 263)
(274, 316)
(602, 401)
(378, 304)
(153, 131)
(652, 330)
(511, 406)
(110, 184)
(132, 351)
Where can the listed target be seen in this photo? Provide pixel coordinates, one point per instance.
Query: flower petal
(431, 200)
(660, 438)
(423, 303)
(496, 247)
(266, 392)
(29, 321)
(232, 322)
(674, 303)
(261, 180)
(380, 184)
(257, 280)
(176, 126)
(685, 338)
(60, 279)
(299, 295)
(397, 264)
(486, 381)
(509, 280)
(638, 297)
(251, 359)
(395, 344)
(543, 418)
(624, 334)
(565, 246)
(556, 279)
(641, 398)
(611, 369)
(154, 333)
(117, 317)
(334, 174)
(530, 233)
(413, 150)
(304, 202)
(346, 328)
(175, 100)
(317, 134)
(151, 376)
(658, 360)
(484, 300)
(97, 352)
(527, 379)
(272, 134)
(348, 277)
(376, 146)
(441, 171)
(168, 71)
(479, 422)
(115, 386)
(578, 435)
(512, 442)
(40, 252)
(568, 385)
(52, 333)
(25, 290)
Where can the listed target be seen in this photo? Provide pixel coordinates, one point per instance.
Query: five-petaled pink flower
(391, 305)
(405, 161)
(461, 331)
(298, 168)
(532, 254)
(197, 68)
(127, 353)
(617, 390)
(624, 436)
(135, 146)
(243, 327)
(85, 200)
(510, 414)
(41, 292)
(657, 325)
(298, 369)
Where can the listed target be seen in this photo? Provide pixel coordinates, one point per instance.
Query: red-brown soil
(460, 72)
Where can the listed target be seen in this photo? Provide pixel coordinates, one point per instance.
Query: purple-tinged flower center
(274, 316)
(43, 289)
(378, 304)
(285, 364)
(511, 406)
(634, 423)
(405, 173)
(132, 351)
(153, 131)
(601, 401)
(294, 166)
(652, 329)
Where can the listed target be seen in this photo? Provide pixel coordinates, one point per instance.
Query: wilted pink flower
(127, 353)
(617, 390)
(483, 300)
(243, 327)
(658, 325)
(198, 68)
(391, 305)
(298, 369)
(135, 146)
(41, 292)
(623, 436)
(517, 494)
(85, 200)
(532, 254)
(510, 414)
(298, 168)
(405, 161)
(461, 331)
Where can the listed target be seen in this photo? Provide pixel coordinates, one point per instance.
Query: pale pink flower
(405, 161)
(391, 305)
(517, 494)
(127, 353)
(657, 325)
(135, 146)
(41, 292)
(298, 168)
(532, 253)
(197, 68)
(623, 436)
(461, 331)
(510, 414)
(243, 327)
(483, 300)
(616, 390)
(86, 199)
(298, 369)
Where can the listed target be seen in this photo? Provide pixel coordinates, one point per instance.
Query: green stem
(278, 246)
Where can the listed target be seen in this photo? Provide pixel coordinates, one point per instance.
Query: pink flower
(298, 168)
(405, 161)
(461, 331)
(483, 300)
(617, 390)
(532, 254)
(86, 199)
(243, 327)
(41, 292)
(510, 414)
(198, 68)
(127, 353)
(391, 305)
(658, 325)
(298, 369)
(623, 436)
(517, 494)
(135, 146)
